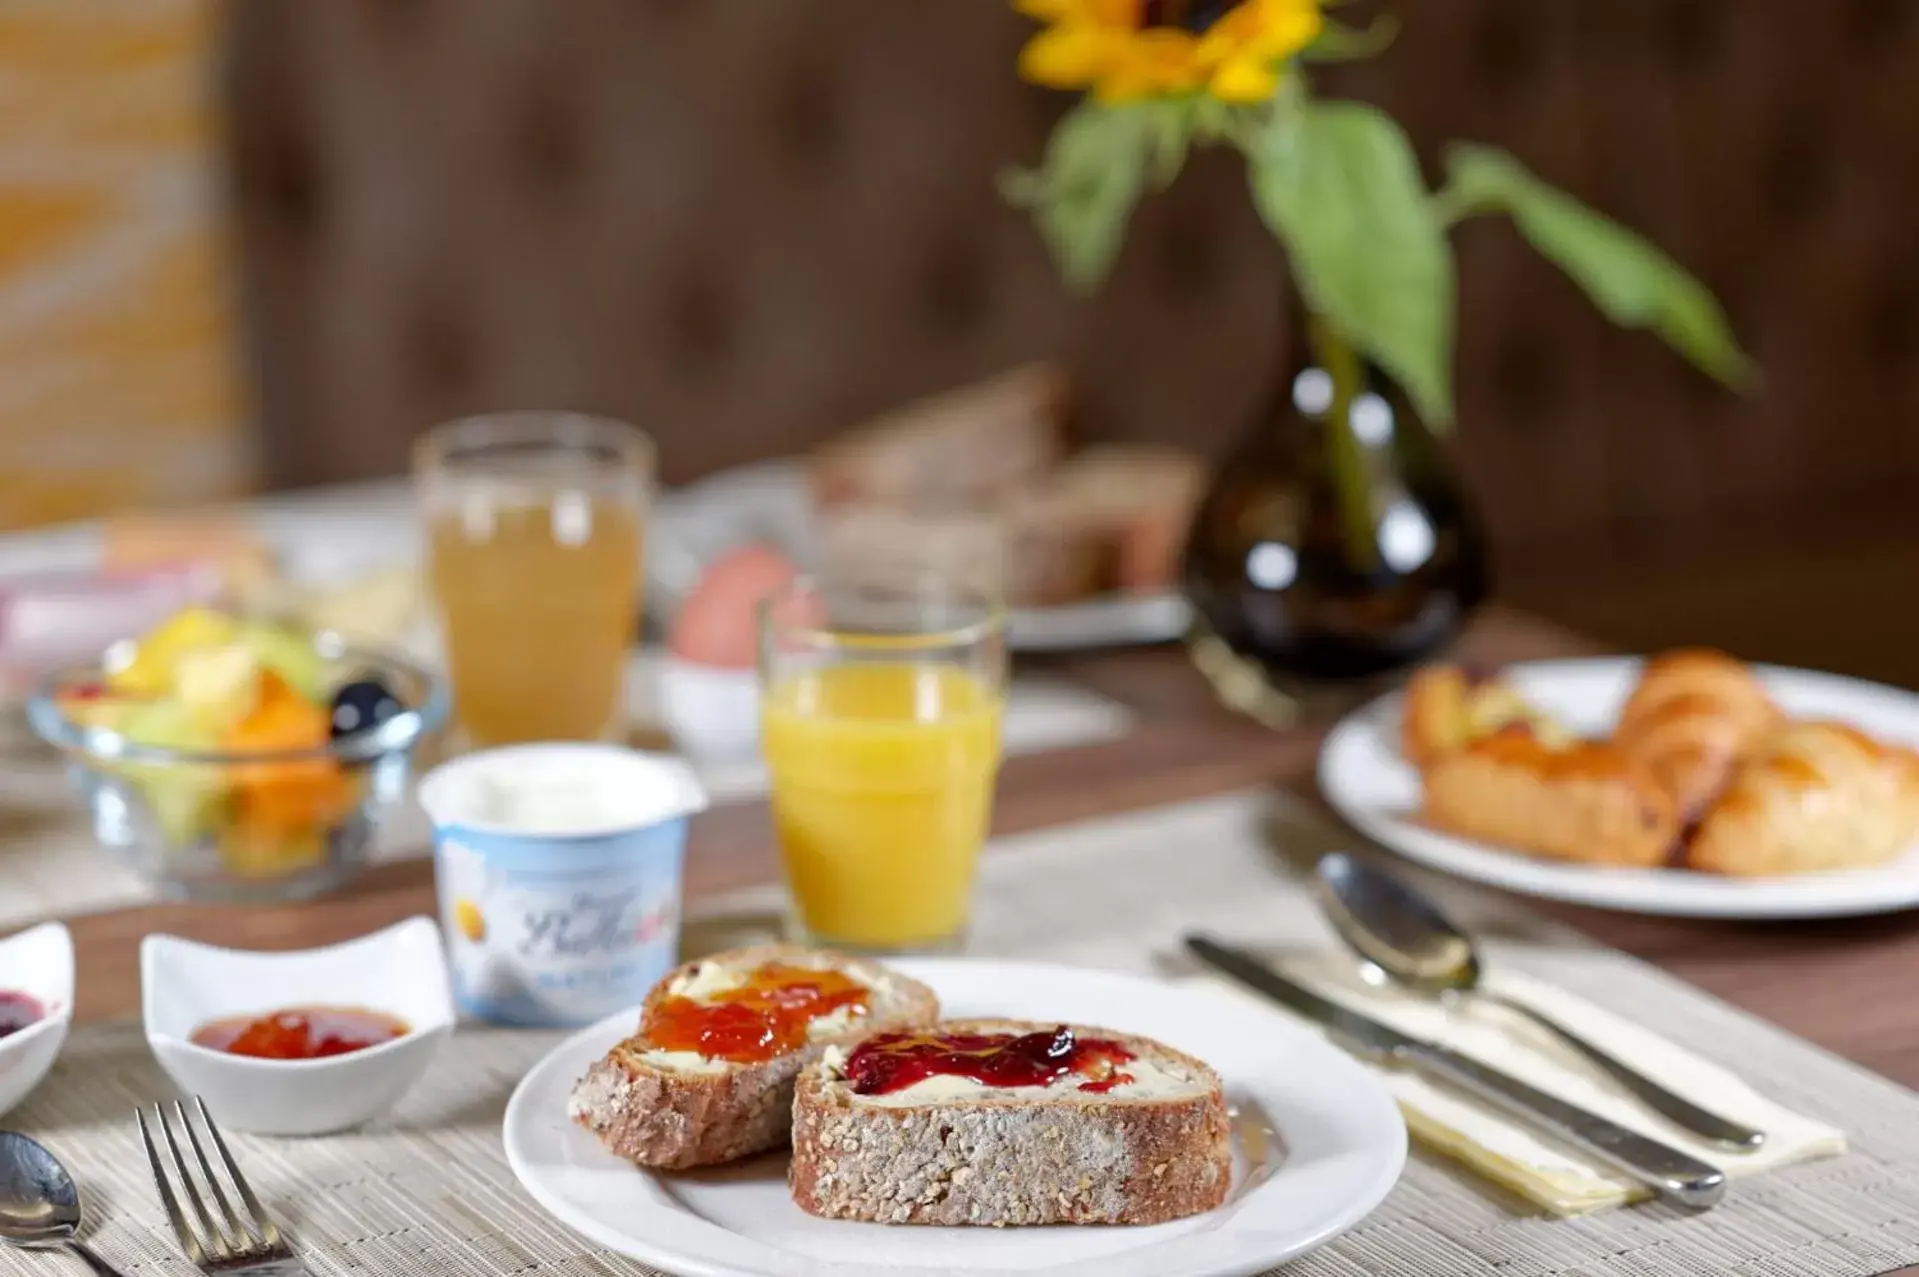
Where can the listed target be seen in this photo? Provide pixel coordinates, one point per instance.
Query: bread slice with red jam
(709, 1075)
(1002, 1122)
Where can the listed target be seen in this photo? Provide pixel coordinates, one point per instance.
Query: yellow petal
(1287, 26)
(1065, 57)
(1049, 10)
(1244, 80)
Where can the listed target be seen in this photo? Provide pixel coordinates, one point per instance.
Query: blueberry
(362, 704)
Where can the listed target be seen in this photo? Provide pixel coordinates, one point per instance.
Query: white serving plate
(768, 501)
(1318, 1143)
(1366, 780)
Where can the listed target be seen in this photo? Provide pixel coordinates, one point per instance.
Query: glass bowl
(245, 826)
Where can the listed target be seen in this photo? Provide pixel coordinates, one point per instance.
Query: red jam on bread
(890, 1062)
(766, 1016)
(300, 1033)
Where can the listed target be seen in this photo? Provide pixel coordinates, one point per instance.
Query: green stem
(1343, 451)
(1451, 208)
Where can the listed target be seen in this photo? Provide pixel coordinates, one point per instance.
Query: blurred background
(263, 245)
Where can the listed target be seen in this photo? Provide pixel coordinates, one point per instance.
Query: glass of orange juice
(880, 720)
(534, 526)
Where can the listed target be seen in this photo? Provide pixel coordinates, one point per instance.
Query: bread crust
(1014, 1159)
(971, 445)
(676, 1119)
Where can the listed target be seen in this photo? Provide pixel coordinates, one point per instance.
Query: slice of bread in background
(675, 1110)
(964, 448)
(1141, 1153)
(1137, 500)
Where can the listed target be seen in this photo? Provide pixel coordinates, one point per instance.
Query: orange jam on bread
(754, 1021)
(889, 1062)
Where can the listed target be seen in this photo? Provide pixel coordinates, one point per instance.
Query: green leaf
(1339, 183)
(1169, 135)
(1097, 164)
(1339, 43)
(1628, 278)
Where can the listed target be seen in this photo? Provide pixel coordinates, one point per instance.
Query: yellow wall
(118, 381)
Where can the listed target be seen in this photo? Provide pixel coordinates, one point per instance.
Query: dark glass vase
(1334, 547)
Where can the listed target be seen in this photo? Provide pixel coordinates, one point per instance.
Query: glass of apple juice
(534, 524)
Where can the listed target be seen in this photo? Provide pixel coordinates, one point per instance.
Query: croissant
(1693, 717)
(1818, 796)
(1447, 708)
(1583, 801)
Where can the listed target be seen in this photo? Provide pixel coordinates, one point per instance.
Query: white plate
(768, 502)
(1366, 780)
(1317, 1144)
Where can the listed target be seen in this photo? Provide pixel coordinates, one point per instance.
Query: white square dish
(400, 971)
(39, 963)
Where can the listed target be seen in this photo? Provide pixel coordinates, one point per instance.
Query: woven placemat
(426, 1192)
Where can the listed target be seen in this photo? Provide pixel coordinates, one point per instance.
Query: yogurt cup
(558, 867)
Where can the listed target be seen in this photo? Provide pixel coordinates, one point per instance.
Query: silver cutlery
(1669, 1172)
(1402, 937)
(39, 1205)
(252, 1246)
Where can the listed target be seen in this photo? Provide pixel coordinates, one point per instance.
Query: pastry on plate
(1585, 801)
(1693, 716)
(1817, 796)
(709, 1075)
(1002, 1122)
(1447, 708)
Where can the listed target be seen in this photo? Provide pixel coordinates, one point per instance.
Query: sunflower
(1129, 49)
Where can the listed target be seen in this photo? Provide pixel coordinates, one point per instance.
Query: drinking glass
(534, 529)
(880, 718)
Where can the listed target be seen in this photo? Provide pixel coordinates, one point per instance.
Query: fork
(253, 1247)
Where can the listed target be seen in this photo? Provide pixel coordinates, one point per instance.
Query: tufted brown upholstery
(746, 223)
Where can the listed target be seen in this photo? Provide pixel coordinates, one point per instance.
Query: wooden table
(1839, 983)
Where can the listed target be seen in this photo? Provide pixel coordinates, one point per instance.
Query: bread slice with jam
(1002, 1122)
(709, 1075)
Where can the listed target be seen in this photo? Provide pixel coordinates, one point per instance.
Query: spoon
(39, 1206)
(1401, 936)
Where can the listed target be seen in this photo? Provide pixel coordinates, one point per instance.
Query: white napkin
(1543, 1172)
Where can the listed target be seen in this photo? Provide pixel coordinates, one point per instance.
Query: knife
(1672, 1174)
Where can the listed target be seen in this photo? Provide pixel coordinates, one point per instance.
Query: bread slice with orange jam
(1003, 1122)
(709, 1075)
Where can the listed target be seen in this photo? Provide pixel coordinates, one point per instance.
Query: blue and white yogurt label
(554, 928)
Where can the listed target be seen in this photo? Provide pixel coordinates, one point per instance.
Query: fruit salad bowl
(239, 761)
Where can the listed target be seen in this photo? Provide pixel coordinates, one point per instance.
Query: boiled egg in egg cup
(709, 684)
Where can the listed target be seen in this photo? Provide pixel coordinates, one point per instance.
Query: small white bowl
(39, 963)
(712, 714)
(400, 971)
